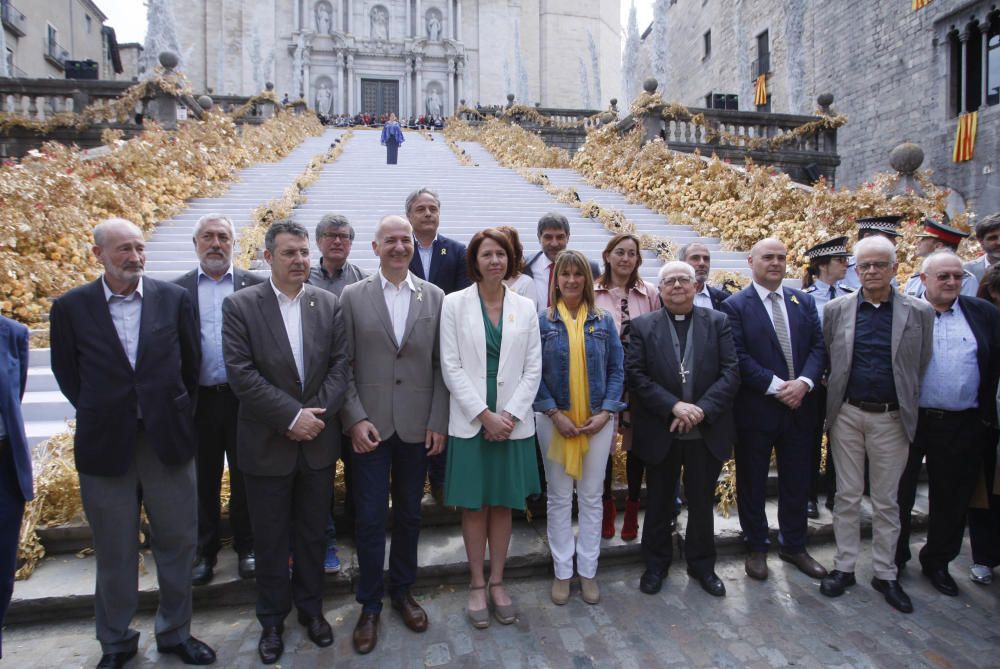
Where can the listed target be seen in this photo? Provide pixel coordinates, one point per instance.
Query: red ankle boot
(630, 528)
(610, 512)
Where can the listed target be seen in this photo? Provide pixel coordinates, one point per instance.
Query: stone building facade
(411, 57)
(899, 74)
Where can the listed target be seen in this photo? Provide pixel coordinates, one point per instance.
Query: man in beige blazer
(397, 414)
(878, 345)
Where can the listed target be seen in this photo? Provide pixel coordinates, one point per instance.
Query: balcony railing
(13, 19)
(760, 66)
(56, 55)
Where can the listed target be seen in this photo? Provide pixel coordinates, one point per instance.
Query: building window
(90, 22)
(766, 107)
(707, 38)
(993, 66)
(763, 63)
(974, 65)
(722, 101)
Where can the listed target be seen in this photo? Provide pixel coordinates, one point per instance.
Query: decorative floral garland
(510, 144)
(520, 113)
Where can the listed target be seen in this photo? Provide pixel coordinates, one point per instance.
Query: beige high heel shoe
(480, 618)
(505, 614)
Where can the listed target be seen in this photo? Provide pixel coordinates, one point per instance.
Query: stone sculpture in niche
(380, 24)
(324, 21)
(434, 104)
(433, 27)
(323, 99)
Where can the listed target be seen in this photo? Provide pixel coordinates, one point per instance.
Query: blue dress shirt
(211, 293)
(871, 377)
(426, 256)
(951, 381)
(126, 314)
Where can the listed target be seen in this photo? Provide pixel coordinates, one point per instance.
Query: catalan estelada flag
(917, 4)
(965, 137)
(760, 95)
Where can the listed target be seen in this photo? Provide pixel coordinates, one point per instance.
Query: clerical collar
(678, 317)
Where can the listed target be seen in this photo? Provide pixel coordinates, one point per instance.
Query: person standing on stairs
(208, 285)
(392, 139)
(334, 237)
(397, 414)
(126, 354)
(440, 261)
(623, 294)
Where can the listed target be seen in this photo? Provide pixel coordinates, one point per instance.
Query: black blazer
(448, 268)
(595, 269)
(984, 320)
(241, 279)
(718, 297)
(94, 374)
(654, 382)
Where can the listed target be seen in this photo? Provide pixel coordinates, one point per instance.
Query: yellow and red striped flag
(760, 95)
(919, 4)
(965, 137)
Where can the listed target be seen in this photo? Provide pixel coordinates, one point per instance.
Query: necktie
(548, 292)
(781, 330)
(833, 292)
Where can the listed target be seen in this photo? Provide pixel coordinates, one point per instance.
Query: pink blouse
(642, 299)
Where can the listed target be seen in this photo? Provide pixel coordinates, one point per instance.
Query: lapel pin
(444, 251)
(420, 296)
(795, 300)
(312, 303)
(591, 330)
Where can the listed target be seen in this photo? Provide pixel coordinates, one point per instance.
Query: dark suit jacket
(241, 279)
(262, 374)
(718, 297)
(448, 268)
(13, 379)
(595, 269)
(984, 319)
(94, 374)
(760, 354)
(655, 385)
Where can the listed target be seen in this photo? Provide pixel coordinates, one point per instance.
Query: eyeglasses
(337, 236)
(944, 276)
(681, 280)
(881, 266)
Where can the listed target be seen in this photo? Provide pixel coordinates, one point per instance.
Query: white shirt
(540, 274)
(126, 314)
(397, 301)
(703, 298)
(426, 256)
(763, 292)
(291, 316)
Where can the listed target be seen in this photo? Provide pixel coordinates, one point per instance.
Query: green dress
(490, 473)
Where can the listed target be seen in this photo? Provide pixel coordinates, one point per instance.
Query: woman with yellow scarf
(580, 391)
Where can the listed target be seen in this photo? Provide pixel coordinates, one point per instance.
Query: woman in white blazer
(491, 363)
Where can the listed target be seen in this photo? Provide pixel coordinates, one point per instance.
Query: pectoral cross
(684, 373)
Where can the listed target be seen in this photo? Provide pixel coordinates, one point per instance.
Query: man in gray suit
(879, 344)
(208, 285)
(988, 236)
(397, 414)
(285, 352)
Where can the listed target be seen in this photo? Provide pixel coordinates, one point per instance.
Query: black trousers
(984, 524)
(701, 474)
(215, 420)
(11, 512)
(952, 443)
(291, 511)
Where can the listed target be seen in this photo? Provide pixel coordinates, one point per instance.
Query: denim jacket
(605, 364)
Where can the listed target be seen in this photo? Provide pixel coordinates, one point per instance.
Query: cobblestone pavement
(781, 622)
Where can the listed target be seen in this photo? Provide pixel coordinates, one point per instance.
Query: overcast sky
(128, 17)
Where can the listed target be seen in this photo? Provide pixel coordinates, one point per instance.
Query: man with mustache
(208, 285)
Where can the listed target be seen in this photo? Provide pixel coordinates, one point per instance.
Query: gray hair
(283, 227)
(552, 221)
(412, 197)
(925, 266)
(102, 229)
(876, 243)
(675, 266)
(988, 225)
(333, 222)
(683, 251)
(208, 218)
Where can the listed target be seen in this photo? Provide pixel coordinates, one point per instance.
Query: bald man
(780, 347)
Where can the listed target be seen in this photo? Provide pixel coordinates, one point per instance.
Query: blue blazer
(760, 353)
(447, 265)
(13, 378)
(984, 321)
(94, 374)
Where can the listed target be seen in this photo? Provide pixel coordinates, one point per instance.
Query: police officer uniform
(951, 237)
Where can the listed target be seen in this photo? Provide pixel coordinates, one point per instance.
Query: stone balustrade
(40, 99)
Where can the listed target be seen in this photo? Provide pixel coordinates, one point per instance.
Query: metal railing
(13, 19)
(56, 54)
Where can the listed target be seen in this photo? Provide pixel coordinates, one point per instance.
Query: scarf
(569, 452)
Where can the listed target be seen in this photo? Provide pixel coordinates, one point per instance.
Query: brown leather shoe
(805, 563)
(366, 633)
(414, 616)
(756, 566)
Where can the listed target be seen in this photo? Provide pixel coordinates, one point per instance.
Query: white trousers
(587, 544)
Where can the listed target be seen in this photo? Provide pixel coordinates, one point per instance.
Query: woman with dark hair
(582, 377)
(984, 512)
(519, 282)
(620, 292)
(491, 363)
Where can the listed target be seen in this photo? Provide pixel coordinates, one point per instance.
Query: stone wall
(886, 65)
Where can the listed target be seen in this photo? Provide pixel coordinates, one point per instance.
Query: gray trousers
(111, 504)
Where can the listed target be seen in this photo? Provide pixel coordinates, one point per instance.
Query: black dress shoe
(942, 581)
(270, 647)
(247, 565)
(115, 660)
(710, 583)
(812, 510)
(319, 631)
(191, 651)
(836, 582)
(652, 581)
(829, 502)
(894, 594)
(202, 571)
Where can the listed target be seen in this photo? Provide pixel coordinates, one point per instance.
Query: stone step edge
(228, 590)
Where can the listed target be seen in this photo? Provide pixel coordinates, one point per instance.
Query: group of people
(499, 379)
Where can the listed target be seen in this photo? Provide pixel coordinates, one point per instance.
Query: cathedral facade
(410, 57)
